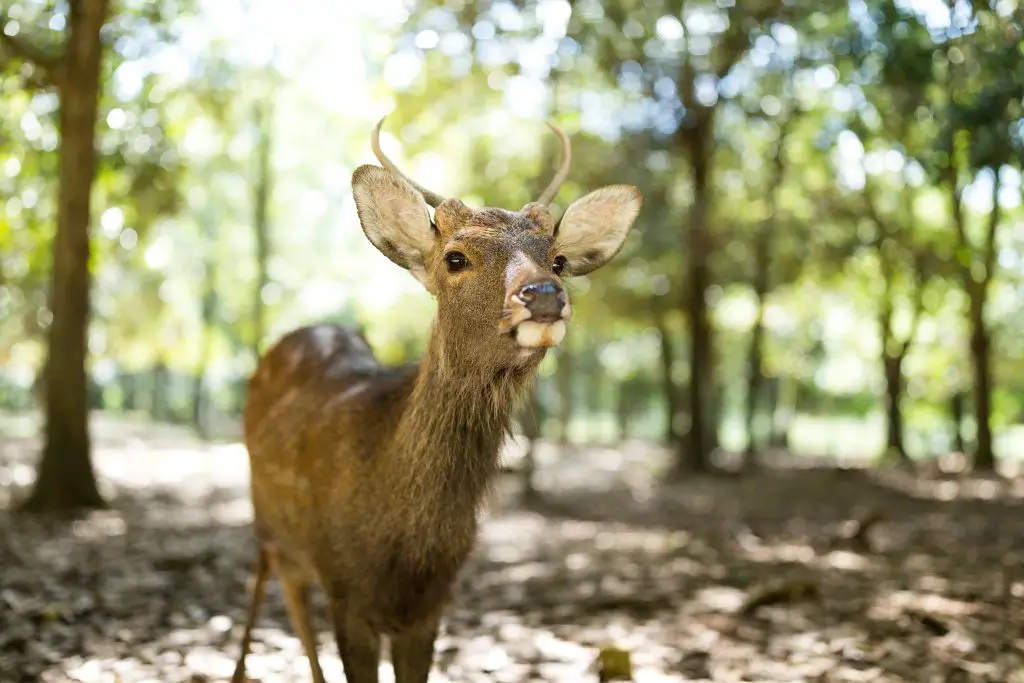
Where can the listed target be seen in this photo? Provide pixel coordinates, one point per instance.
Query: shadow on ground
(760, 578)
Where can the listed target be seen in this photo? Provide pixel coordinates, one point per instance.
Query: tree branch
(920, 281)
(737, 37)
(42, 61)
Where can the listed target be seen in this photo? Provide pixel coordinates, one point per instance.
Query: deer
(367, 480)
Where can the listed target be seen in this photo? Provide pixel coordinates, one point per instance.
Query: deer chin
(532, 335)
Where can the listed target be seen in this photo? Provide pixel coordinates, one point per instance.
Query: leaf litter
(786, 574)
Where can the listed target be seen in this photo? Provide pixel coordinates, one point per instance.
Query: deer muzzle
(541, 311)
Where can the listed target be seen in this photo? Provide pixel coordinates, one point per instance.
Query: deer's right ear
(395, 219)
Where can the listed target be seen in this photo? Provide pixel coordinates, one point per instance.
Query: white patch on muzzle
(534, 335)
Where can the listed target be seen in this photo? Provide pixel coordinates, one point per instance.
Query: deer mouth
(534, 331)
(531, 334)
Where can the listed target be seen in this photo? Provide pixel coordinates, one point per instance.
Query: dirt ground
(809, 574)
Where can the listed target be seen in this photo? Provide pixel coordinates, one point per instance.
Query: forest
(790, 410)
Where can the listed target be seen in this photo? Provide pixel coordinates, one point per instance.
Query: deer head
(497, 274)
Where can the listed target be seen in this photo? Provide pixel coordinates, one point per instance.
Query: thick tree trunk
(893, 365)
(66, 480)
(984, 454)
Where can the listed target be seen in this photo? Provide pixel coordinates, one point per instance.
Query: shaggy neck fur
(452, 428)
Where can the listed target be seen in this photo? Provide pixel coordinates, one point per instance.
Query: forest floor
(789, 574)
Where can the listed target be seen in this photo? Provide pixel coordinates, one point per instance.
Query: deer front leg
(358, 643)
(412, 653)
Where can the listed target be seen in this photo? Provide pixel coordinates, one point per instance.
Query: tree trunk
(208, 314)
(893, 365)
(261, 200)
(531, 418)
(785, 399)
(129, 391)
(66, 480)
(563, 381)
(199, 403)
(755, 379)
(158, 403)
(694, 455)
(761, 282)
(984, 455)
(956, 409)
(669, 391)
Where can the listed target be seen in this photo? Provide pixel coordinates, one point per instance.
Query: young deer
(366, 480)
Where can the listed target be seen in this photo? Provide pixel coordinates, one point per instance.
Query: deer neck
(453, 426)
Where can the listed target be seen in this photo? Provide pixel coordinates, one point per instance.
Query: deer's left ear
(594, 227)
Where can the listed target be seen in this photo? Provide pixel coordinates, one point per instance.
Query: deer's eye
(455, 261)
(559, 265)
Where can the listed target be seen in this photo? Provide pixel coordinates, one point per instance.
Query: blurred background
(829, 260)
(822, 294)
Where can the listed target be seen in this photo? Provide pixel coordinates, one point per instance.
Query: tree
(66, 479)
(262, 122)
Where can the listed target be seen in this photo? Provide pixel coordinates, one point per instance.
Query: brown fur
(366, 480)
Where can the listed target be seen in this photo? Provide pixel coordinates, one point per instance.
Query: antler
(431, 198)
(563, 171)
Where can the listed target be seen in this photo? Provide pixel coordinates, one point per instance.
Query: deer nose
(545, 301)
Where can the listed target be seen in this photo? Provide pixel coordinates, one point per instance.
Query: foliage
(859, 145)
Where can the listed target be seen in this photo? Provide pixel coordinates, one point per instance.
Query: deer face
(497, 274)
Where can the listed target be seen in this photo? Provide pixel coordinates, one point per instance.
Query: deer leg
(412, 653)
(358, 643)
(296, 595)
(258, 591)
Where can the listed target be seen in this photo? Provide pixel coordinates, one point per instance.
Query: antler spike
(563, 171)
(432, 198)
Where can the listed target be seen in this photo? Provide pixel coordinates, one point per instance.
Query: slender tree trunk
(755, 370)
(630, 402)
(158, 398)
(786, 399)
(755, 389)
(262, 117)
(129, 390)
(208, 314)
(893, 365)
(563, 382)
(531, 418)
(199, 403)
(669, 390)
(984, 454)
(694, 454)
(956, 408)
(66, 479)
(977, 295)
(761, 281)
